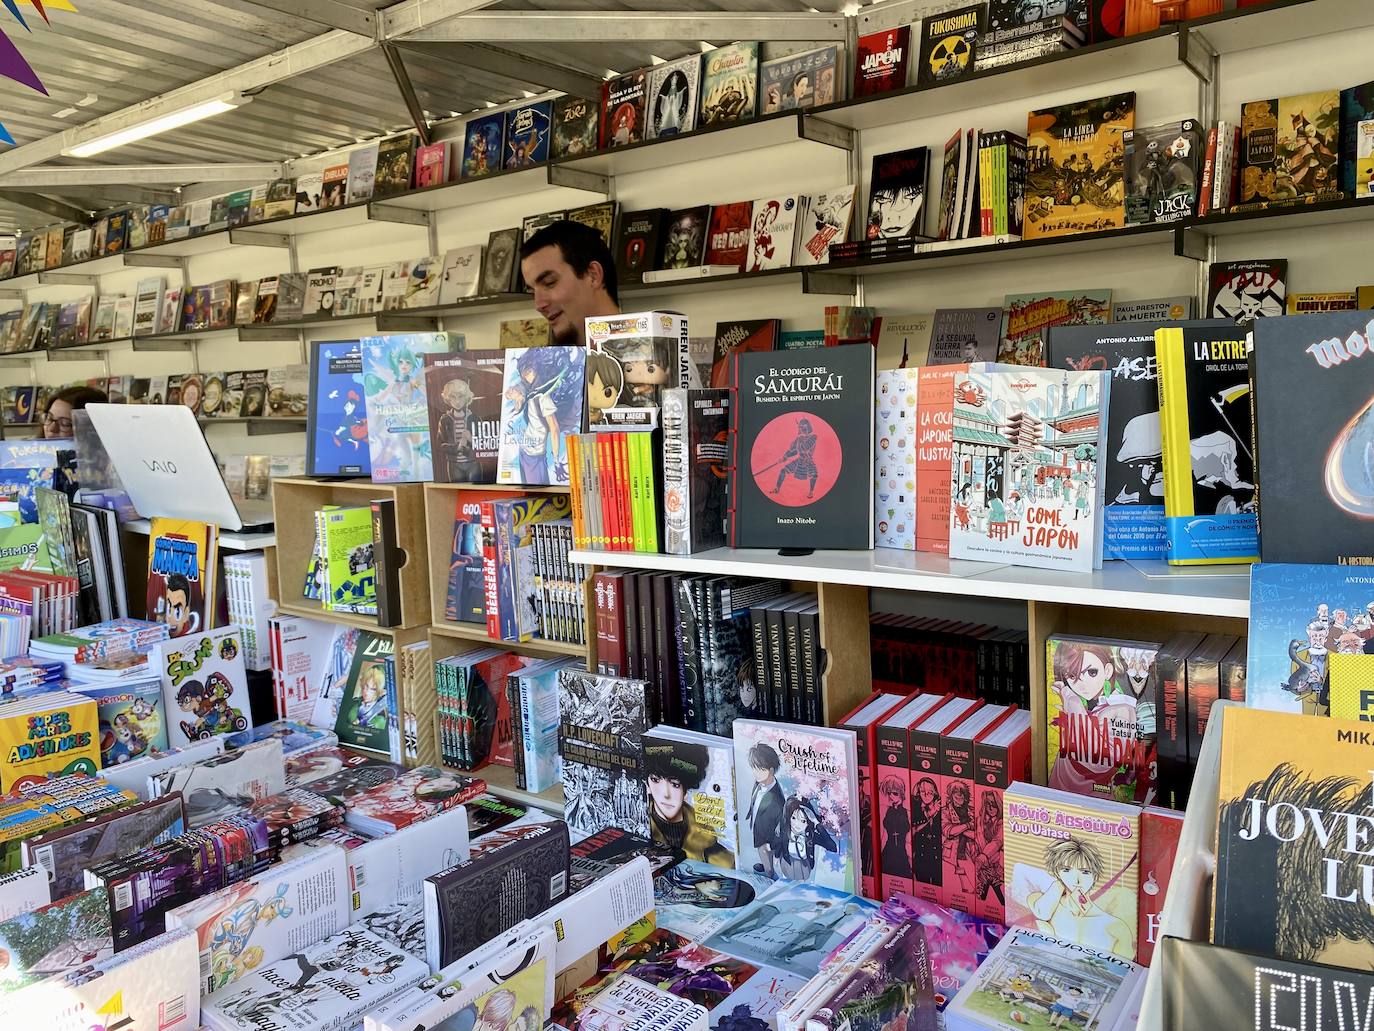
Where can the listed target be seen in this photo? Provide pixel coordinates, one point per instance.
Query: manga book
(896, 194)
(1029, 318)
(799, 81)
(204, 685)
(397, 413)
(793, 927)
(483, 145)
(1162, 167)
(1075, 177)
(337, 436)
(756, 1002)
(338, 775)
(410, 797)
(622, 109)
(576, 126)
(215, 787)
(602, 720)
(362, 720)
(1100, 716)
(1242, 291)
(463, 392)
(1080, 886)
(957, 942)
(695, 899)
(729, 83)
(690, 779)
(541, 404)
(181, 563)
(798, 805)
(133, 720)
(1132, 464)
(671, 104)
(527, 134)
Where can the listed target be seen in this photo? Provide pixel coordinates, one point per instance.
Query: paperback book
(204, 685)
(695, 899)
(691, 794)
(397, 414)
(463, 392)
(793, 927)
(542, 402)
(602, 721)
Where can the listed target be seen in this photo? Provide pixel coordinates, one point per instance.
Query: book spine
(651, 531)
(777, 662)
(664, 638)
(792, 664)
(1171, 682)
(892, 790)
(677, 485)
(648, 660)
(713, 636)
(609, 647)
(1233, 167)
(629, 622)
(514, 695)
(702, 630)
(758, 637)
(689, 661)
(958, 824)
(809, 640)
(1209, 166)
(575, 492)
(985, 217)
(387, 561)
(868, 823)
(732, 480)
(490, 590)
(605, 488)
(1204, 687)
(621, 475)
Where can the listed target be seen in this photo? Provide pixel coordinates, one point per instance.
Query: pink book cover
(960, 825)
(431, 165)
(934, 447)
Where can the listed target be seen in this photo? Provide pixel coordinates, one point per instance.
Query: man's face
(560, 295)
(667, 795)
(762, 774)
(1077, 878)
(177, 612)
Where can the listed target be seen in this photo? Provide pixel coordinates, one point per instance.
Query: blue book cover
(482, 145)
(1357, 105)
(397, 413)
(133, 720)
(1299, 615)
(527, 135)
(793, 927)
(541, 404)
(337, 441)
(26, 464)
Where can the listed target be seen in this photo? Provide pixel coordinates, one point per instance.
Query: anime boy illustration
(765, 812)
(454, 446)
(605, 379)
(531, 415)
(176, 606)
(371, 714)
(1068, 909)
(804, 834)
(671, 770)
(1066, 1005)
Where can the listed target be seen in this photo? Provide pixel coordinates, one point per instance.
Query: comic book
(1029, 317)
(50, 732)
(463, 392)
(1074, 166)
(576, 126)
(215, 787)
(412, 796)
(622, 109)
(800, 81)
(527, 134)
(362, 721)
(542, 399)
(1242, 291)
(699, 817)
(602, 720)
(798, 805)
(729, 83)
(882, 62)
(394, 388)
(348, 557)
(793, 927)
(204, 685)
(1290, 150)
(338, 775)
(697, 898)
(957, 942)
(337, 435)
(182, 557)
(671, 97)
(483, 145)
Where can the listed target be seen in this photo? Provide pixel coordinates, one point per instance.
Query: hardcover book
(575, 127)
(684, 240)
(1162, 165)
(204, 685)
(483, 145)
(773, 233)
(337, 436)
(431, 165)
(691, 787)
(1290, 149)
(727, 237)
(500, 270)
(881, 64)
(1080, 886)
(696, 428)
(362, 173)
(793, 927)
(672, 101)
(804, 425)
(622, 109)
(741, 337)
(1133, 521)
(824, 220)
(638, 243)
(462, 274)
(602, 720)
(1026, 483)
(527, 134)
(800, 81)
(896, 194)
(1074, 170)
(542, 402)
(1242, 291)
(1314, 510)
(394, 389)
(729, 83)
(395, 155)
(463, 392)
(1030, 317)
(949, 40)
(959, 336)
(1205, 416)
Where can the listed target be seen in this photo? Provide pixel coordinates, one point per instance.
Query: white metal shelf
(1221, 591)
(227, 541)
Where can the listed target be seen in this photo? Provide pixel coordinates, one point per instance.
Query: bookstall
(926, 584)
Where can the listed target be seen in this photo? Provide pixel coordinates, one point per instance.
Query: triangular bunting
(56, 5)
(5, 135)
(14, 10)
(13, 66)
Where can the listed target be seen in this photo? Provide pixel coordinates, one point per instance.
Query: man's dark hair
(682, 761)
(580, 245)
(177, 582)
(78, 397)
(763, 757)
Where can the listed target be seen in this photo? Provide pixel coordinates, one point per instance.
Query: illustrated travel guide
(1072, 867)
(1313, 460)
(1026, 482)
(397, 414)
(1100, 716)
(802, 429)
(1074, 166)
(463, 391)
(1205, 416)
(1030, 317)
(1131, 464)
(797, 799)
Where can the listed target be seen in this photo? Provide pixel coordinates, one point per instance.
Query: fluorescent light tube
(152, 127)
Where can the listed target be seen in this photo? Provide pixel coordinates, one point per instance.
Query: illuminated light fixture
(154, 126)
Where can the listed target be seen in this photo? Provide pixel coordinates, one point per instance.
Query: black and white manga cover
(1163, 163)
(601, 720)
(672, 97)
(1244, 290)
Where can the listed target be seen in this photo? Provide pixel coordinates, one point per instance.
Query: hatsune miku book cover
(397, 413)
(541, 405)
(793, 927)
(797, 796)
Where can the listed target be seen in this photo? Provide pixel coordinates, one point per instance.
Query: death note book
(1074, 169)
(1314, 458)
(802, 427)
(464, 395)
(1133, 521)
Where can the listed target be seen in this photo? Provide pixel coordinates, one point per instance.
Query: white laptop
(167, 469)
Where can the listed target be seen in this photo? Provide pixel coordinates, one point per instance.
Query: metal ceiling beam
(512, 65)
(50, 178)
(403, 85)
(332, 13)
(104, 197)
(47, 206)
(626, 26)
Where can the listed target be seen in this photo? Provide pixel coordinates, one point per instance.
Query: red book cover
(882, 60)
(727, 239)
(892, 791)
(493, 673)
(610, 640)
(1159, 833)
(603, 477)
(960, 825)
(864, 722)
(622, 471)
(1000, 758)
(490, 563)
(1209, 166)
(927, 795)
(415, 795)
(934, 447)
(622, 109)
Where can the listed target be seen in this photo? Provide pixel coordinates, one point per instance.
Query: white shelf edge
(227, 541)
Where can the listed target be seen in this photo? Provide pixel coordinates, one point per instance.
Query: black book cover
(665, 649)
(637, 243)
(896, 194)
(597, 855)
(648, 659)
(1163, 165)
(1171, 685)
(395, 158)
(696, 456)
(629, 623)
(601, 724)
(512, 875)
(1133, 520)
(500, 269)
(689, 656)
(739, 336)
(948, 42)
(684, 243)
(1314, 435)
(575, 126)
(1244, 290)
(801, 474)
(387, 559)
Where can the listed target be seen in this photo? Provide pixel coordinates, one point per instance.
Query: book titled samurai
(802, 439)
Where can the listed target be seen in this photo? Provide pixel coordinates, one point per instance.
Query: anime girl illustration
(959, 843)
(988, 868)
(926, 838)
(404, 388)
(804, 833)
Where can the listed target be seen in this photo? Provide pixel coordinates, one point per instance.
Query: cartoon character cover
(691, 786)
(1163, 163)
(337, 437)
(362, 720)
(798, 80)
(541, 404)
(1246, 290)
(1026, 486)
(204, 685)
(623, 109)
(181, 562)
(482, 145)
(1029, 317)
(1315, 459)
(527, 134)
(576, 126)
(133, 721)
(398, 416)
(464, 395)
(793, 927)
(1074, 166)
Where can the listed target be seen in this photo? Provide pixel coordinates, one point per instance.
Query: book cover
(896, 194)
(483, 145)
(431, 165)
(66, 853)
(1072, 867)
(1074, 169)
(671, 97)
(181, 560)
(395, 155)
(1290, 149)
(462, 274)
(694, 899)
(1205, 414)
(397, 414)
(1026, 484)
(133, 720)
(638, 243)
(691, 788)
(894, 465)
(464, 398)
(337, 434)
(740, 337)
(527, 134)
(684, 240)
(602, 720)
(362, 173)
(1030, 317)
(696, 428)
(408, 798)
(1313, 511)
(729, 83)
(949, 40)
(542, 402)
(793, 927)
(800, 81)
(1133, 521)
(1159, 834)
(576, 127)
(903, 341)
(824, 221)
(1242, 291)
(805, 424)
(882, 61)
(204, 685)
(1352, 683)
(798, 803)
(347, 557)
(623, 109)
(774, 233)
(599, 216)
(959, 336)
(215, 787)
(728, 236)
(362, 720)
(1162, 166)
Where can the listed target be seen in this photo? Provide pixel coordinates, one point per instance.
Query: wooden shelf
(501, 783)
(535, 646)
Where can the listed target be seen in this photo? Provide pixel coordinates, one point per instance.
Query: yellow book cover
(182, 556)
(1072, 867)
(1208, 449)
(1295, 832)
(61, 736)
(1352, 686)
(1075, 166)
